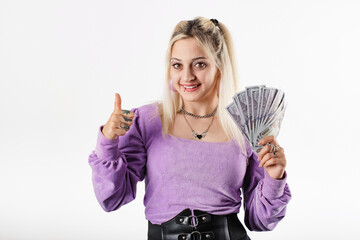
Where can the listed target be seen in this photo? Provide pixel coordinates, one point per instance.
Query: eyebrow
(194, 59)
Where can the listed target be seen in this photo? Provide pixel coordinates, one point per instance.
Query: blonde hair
(215, 40)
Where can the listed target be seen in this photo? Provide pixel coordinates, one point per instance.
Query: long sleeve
(265, 198)
(117, 166)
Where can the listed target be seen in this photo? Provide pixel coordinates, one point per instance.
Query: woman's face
(194, 75)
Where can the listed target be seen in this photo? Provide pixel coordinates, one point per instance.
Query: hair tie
(216, 23)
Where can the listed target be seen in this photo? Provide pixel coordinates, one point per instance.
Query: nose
(188, 74)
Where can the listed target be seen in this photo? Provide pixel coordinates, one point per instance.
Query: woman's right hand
(119, 122)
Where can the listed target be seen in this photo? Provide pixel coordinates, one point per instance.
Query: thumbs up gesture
(119, 122)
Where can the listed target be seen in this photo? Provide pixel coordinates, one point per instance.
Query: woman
(194, 159)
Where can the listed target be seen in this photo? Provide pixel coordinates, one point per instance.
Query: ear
(218, 78)
(171, 86)
(218, 75)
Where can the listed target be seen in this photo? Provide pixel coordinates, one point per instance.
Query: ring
(273, 148)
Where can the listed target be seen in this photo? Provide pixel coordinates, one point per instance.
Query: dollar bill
(258, 112)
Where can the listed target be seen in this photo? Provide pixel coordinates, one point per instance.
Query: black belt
(198, 226)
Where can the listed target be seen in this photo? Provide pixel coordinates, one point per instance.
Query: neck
(201, 108)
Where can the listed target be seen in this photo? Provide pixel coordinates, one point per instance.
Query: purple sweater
(182, 173)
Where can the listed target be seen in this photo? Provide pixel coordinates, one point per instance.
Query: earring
(171, 86)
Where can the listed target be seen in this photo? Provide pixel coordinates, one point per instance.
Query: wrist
(106, 135)
(273, 188)
(277, 175)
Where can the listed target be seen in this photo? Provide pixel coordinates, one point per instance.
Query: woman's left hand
(273, 162)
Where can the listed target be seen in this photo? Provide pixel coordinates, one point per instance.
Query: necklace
(199, 116)
(195, 134)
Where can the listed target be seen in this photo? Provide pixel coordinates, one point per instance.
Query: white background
(62, 61)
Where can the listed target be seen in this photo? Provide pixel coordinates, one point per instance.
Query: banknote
(258, 112)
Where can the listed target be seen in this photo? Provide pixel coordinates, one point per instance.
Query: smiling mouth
(191, 87)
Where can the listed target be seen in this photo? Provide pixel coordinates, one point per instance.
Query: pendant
(199, 136)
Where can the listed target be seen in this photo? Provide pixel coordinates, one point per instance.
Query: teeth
(192, 86)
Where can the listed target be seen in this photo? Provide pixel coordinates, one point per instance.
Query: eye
(176, 65)
(200, 65)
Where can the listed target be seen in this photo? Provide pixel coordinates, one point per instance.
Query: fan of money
(258, 112)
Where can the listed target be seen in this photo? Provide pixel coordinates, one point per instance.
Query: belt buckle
(196, 220)
(193, 235)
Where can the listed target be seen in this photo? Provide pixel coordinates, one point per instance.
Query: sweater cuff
(106, 148)
(273, 188)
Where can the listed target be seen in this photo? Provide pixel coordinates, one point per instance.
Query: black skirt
(200, 226)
